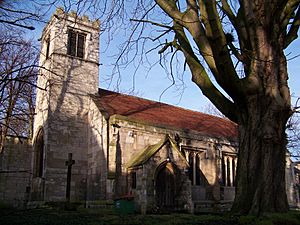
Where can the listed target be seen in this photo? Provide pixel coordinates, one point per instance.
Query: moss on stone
(150, 150)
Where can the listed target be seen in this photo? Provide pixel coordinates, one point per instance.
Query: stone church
(161, 155)
(92, 145)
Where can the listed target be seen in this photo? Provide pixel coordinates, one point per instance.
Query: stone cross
(69, 164)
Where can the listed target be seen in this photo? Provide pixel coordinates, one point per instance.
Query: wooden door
(165, 188)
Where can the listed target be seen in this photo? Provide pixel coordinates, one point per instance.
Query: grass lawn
(48, 216)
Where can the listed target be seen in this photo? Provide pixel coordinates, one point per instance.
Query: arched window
(228, 173)
(233, 172)
(198, 171)
(223, 182)
(191, 169)
(195, 174)
(39, 154)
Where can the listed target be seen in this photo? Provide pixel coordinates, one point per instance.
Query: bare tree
(18, 66)
(18, 72)
(293, 131)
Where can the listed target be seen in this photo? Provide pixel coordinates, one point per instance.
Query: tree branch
(151, 22)
(225, 73)
(287, 13)
(235, 21)
(228, 11)
(169, 28)
(19, 11)
(169, 6)
(292, 33)
(17, 24)
(235, 52)
(201, 78)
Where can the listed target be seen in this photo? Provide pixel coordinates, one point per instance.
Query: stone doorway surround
(157, 178)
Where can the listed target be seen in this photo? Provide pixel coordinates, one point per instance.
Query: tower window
(47, 47)
(76, 44)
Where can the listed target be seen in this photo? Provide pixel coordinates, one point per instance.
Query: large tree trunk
(261, 164)
(262, 138)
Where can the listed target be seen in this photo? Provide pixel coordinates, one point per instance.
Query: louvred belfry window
(76, 44)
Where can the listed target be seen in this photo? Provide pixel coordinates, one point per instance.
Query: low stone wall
(15, 167)
(228, 193)
(198, 193)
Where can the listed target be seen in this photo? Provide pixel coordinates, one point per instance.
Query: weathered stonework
(97, 156)
(62, 109)
(15, 172)
(131, 137)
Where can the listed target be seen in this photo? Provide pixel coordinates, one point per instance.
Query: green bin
(124, 205)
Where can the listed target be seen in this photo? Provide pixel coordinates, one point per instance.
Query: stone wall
(129, 137)
(15, 172)
(96, 155)
(292, 188)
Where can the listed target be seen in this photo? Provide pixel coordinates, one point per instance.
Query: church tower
(69, 72)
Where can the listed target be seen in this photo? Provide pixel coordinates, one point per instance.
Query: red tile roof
(161, 114)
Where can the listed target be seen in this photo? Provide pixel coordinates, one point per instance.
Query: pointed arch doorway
(165, 186)
(38, 181)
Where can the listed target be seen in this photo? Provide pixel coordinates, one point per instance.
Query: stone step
(105, 204)
(212, 206)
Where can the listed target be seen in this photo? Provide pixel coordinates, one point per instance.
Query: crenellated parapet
(73, 16)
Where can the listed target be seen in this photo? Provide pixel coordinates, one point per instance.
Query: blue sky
(294, 67)
(155, 83)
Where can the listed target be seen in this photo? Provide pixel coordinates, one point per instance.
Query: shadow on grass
(50, 216)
